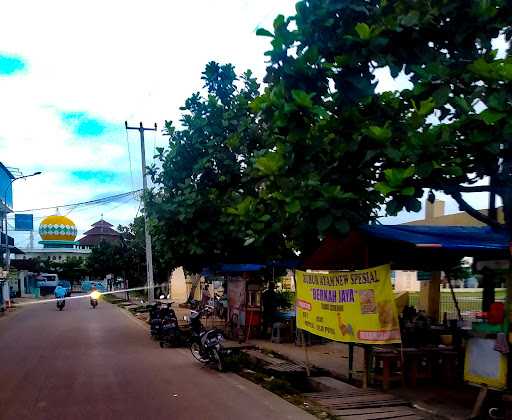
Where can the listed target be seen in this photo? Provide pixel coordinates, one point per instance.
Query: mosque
(58, 237)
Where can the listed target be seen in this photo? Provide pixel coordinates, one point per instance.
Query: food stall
(244, 285)
(442, 350)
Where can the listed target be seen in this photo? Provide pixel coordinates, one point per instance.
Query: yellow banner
(350, 306)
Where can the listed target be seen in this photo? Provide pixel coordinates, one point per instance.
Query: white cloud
(116, 61)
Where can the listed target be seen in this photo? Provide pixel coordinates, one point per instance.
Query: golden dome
(57, 228)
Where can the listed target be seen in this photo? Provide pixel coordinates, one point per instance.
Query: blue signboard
(24, 222)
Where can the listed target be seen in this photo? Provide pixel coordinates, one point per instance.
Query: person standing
(269, 302)
(205, 297)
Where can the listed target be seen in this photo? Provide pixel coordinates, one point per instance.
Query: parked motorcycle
(173, 335)
(194, 304)
(221, 310)
(94, 299)
(155, 321)
(208, 348)
(60, 304)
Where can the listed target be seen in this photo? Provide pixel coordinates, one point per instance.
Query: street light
(7, 256)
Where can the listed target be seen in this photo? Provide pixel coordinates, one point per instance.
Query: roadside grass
(289, 387)
(469, 302)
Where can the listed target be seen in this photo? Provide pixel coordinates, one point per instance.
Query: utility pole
(149, 252)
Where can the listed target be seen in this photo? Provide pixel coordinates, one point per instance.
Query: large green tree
(105, 258)
(336, 149)
(71, 269)
(126, 258)
(203, 183)
(320, 151)
(133, 249)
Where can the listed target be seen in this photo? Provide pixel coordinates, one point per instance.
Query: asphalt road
(100, 364)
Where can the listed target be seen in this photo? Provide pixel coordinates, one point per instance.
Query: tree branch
(475, 188)
(464, 206)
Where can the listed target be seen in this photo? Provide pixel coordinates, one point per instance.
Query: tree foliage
(71, 269)
(127, 258)
(203, 186)
(328, 125)
(320, 150)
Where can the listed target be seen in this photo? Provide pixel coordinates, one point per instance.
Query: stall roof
(408, 247)
(456, 238)
(246, 268)
(240, 268)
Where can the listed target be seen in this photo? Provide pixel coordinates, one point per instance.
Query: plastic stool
(388, 367)
(276, 332)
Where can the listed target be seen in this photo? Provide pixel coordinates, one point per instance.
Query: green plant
(285, 299)
(202, 204)
(320, 151)
(336, 150)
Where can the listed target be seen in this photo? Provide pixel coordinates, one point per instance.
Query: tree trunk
(196, 279)
(505, 178)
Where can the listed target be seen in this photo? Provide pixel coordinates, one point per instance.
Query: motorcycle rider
(94, 296)
(60, 292)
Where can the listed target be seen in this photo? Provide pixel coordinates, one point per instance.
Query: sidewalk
(454, 403)
(13, 305)
(332, 357)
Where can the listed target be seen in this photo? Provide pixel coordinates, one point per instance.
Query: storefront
(469, 348)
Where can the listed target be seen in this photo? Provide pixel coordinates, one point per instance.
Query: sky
(72, 72)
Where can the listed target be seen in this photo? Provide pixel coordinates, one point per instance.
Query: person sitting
(269, 300)
(205, 296)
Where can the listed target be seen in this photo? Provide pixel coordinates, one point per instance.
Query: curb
(129, 315)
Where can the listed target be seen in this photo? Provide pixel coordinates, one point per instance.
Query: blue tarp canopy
(239, 268)
(456, 238)
(408, 247)
(247, 268)
(291, 263)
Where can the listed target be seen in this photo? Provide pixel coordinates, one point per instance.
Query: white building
(58, 235)
(54, 254)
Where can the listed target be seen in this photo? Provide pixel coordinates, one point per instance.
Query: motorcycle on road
(94, 298)
(60, 304)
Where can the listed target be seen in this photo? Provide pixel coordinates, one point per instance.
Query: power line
(99, 200)
(130, 159)
(123, 200)
(136, 214)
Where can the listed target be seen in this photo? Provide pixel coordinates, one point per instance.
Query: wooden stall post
(454, 298)
(350, 361)
(430, 294)
(366, 368)
(306, 354)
